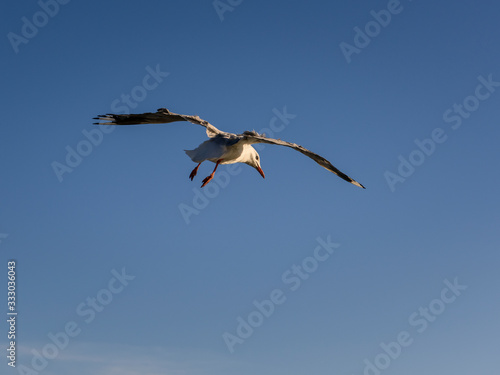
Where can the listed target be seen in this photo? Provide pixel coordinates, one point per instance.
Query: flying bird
(221, 147)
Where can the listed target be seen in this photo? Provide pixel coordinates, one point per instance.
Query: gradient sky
(412, 112)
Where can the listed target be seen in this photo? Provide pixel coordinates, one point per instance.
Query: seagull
(221, 147)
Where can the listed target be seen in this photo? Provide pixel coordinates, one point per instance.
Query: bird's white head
(254, 161)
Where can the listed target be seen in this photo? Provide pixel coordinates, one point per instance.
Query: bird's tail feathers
(192, 155)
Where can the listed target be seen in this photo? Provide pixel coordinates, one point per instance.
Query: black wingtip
(354, 182)
(107, 119)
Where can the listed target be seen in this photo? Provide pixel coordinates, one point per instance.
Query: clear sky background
(191, 278)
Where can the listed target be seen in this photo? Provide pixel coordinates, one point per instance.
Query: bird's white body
(222, 149)
(216, 149)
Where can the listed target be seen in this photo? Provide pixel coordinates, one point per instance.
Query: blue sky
(111, 270)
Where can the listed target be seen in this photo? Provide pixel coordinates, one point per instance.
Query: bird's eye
(257, 157)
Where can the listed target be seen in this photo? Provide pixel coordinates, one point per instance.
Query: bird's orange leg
(194, 171)
(209, 178)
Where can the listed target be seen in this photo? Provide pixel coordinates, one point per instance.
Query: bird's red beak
(261, 172)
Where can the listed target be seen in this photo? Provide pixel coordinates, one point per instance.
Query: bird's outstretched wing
(162, 116)
(254, 137)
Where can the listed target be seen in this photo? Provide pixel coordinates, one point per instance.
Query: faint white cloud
(119, 359)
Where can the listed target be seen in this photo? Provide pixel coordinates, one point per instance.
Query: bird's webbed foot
(206, 180)
(194, 171)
